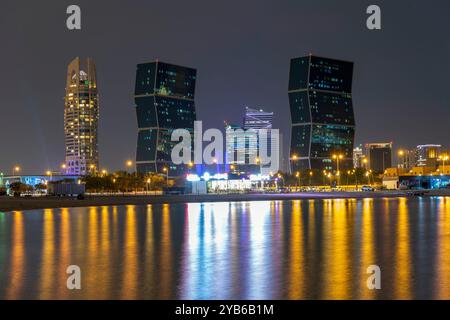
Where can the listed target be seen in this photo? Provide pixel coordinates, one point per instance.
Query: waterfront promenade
(12, 204)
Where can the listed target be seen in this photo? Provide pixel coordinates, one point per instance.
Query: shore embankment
(32, 203)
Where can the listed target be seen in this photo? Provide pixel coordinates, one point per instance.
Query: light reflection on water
(301, 249)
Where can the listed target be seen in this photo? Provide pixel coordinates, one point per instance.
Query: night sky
(241, 50)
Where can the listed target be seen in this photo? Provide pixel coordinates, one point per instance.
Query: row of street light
(129, 164)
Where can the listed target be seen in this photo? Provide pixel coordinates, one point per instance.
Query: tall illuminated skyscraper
(323, 123)
(164, 99)
(81, 115)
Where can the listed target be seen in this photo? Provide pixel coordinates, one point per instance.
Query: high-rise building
(358, 156)
(323, 123)
(427, 155)
(164, 99)
(258, 119)
(241, 149)
(406, 159)
(379, 156)
(81, 115)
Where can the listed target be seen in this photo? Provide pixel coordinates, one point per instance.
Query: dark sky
(241, 50)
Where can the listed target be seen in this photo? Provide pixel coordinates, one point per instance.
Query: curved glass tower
(164, 98)
(323, 123)
(81, 115)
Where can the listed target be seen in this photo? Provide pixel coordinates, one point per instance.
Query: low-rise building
(34, 180)
(226, 182)
(429, 181)
(391, 178)
(416, 178)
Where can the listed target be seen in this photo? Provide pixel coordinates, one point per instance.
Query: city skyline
(384, 92)
(225, 159)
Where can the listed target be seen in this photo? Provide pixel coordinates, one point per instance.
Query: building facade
(429, 181)
(427, 155)
(406, 159)
(258, 119)
(323, 123)
(379, 156)
(164, 101)
(358, 156)
(241, 153)
(34, 180)
(81, 116)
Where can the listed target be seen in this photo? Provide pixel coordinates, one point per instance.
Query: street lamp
(297, 174)
(365, 161)
(49, 174)
(401, 155)
(310, 176)
(129, 164)
(338, 157)
(368, 173)
(16, 170)
(167, 175)
(443, 159)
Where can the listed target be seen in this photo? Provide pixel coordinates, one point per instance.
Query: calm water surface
(305, 249)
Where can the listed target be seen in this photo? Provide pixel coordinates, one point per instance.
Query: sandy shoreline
(15, 204)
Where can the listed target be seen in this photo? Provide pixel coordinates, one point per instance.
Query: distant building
(164, 99)
(284, 166)
(323, 123)
(379, 156)
(427, 155)
(416, 178)
(406, 159)
(258, 120)
(241, 149)
(358, 156)
(34, 180)
(391, 177)
(81, 116)
(424, 181)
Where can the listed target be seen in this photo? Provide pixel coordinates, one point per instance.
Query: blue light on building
(424, 181)
(33, 181)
